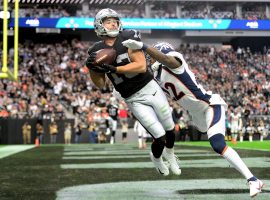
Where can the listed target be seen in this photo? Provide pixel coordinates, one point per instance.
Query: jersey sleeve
(132, 34)
(93, 48)
(178, 56)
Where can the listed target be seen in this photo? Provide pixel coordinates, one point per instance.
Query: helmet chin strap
(112, 33)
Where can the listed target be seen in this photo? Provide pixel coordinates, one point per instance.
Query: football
(105, 56)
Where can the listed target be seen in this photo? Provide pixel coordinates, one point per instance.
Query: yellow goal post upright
(5, 72)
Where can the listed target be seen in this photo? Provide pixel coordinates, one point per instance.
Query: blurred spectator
(262, 129)
(124, 130)
(102, 137)
(78, 133)
(250, 130)
(40, 132)
(92, 129)
(68, 133)
(26, 132)
(53, 132)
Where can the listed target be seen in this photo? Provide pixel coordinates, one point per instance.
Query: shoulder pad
(94, 47)
(131, 34)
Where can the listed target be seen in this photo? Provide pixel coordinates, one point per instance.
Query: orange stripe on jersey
(224, 150)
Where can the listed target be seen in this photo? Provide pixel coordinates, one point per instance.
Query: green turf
(36, 173)
(256, 145)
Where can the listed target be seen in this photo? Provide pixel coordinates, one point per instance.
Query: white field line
(12, 149)
(163, 189)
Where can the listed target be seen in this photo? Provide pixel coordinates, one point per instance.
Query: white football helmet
(98, 23)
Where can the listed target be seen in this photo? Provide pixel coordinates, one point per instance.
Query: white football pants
(150, 106)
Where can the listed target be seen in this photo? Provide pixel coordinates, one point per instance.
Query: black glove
(90, 62)
(108, 68)
(98, 69)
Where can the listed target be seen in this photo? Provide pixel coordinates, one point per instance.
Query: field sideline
(122, 171)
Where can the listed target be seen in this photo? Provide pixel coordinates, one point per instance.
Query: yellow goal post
(5, 72)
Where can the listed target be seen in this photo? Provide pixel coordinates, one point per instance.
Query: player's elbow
(142, 67)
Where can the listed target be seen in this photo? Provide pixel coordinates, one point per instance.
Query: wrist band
(144, 47)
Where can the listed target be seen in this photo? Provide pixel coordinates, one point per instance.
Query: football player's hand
(108, 68)
(155, 66)
(97, 69)
(133, 44)
(91, 60)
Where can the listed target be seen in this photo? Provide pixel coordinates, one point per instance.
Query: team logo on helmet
(164, 47)
(98, 23)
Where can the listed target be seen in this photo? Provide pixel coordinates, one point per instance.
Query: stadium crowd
(55, 83)
(252, 12)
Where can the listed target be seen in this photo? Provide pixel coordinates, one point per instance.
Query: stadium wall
(11, 130)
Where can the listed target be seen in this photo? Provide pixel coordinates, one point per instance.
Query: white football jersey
(180, 84)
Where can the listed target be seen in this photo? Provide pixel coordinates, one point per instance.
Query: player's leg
(164, 114)
(114, 126)
(147, 117)
(215, 117)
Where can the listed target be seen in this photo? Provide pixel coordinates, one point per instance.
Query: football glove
(108, 68)
(90, 64)
(91, 60)
(133, 44)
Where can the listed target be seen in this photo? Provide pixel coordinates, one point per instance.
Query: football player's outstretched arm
(168, 61)
(137, 65)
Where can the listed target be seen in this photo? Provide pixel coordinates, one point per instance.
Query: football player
(142, 134)
(130, 77)
(206, 109)
(112, 109)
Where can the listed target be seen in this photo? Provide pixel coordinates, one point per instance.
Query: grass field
(105, 171)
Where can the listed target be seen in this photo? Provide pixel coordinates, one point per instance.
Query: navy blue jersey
(125, 84)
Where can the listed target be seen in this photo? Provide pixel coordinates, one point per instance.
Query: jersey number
(171, 86)
(119, 78)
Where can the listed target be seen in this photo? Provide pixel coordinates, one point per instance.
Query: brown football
(105, 56)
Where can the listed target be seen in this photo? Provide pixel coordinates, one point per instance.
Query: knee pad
(218, 143)
(170, 139)
(158, 146)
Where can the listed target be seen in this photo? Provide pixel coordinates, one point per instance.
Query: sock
(233, 158)
(169, 150)
(158, 146)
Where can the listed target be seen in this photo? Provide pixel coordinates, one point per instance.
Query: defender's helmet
(164, 47)
(99, 19)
